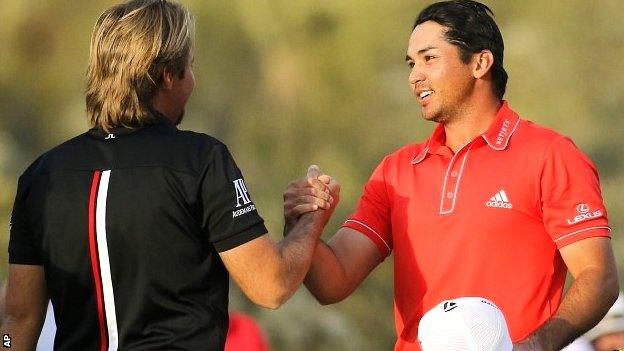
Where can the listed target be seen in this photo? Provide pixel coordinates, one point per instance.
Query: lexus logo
(582, 208)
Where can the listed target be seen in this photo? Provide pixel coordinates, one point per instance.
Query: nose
(416, 75)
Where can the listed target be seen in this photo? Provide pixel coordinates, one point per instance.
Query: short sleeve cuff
(383, 246)
(21, 255)
(580, 234)
(241, 238)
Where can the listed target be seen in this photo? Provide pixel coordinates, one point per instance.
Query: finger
(298, 183)
(317, 184)
(333, 186)
(292, 193)
(304, 208)
(321, 194)
(308, 199)
(324, 203)
(324, 178)
(313, 172)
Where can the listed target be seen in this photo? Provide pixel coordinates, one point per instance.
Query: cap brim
(606, 327)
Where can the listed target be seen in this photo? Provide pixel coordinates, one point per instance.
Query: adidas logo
(499, 200)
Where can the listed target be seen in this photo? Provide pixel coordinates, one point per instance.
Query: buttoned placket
(452, 179)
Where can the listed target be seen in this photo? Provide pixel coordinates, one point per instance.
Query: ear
(482, 63)
(167, 81)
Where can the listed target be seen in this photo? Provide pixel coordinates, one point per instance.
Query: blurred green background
(289, 83)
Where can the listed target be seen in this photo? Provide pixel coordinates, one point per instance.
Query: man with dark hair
(133, 228)
(491, 205)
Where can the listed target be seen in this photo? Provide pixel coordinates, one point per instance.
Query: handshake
(311, 200)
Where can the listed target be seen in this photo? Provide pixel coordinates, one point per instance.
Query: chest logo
(584, 214)
(499, 200)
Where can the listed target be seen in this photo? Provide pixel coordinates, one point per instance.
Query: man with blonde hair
(133, 228)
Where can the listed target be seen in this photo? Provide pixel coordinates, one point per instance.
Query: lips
(423, 95)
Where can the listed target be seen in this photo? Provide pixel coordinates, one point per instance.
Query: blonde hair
(131, 46)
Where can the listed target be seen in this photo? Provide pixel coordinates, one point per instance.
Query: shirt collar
(155, 116)
(497, 136)
(505, 124)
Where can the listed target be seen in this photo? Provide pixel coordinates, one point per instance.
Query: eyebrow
(420, 52)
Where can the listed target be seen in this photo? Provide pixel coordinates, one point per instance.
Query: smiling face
(441, 82)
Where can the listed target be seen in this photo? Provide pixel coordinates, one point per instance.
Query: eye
(410, 64)
(429, 58)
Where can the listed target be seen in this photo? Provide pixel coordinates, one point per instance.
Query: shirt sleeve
(372, 215)
(23, 245)
(572, 204)
(229, 217)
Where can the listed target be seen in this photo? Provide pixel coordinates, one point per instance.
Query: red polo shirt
(486, 221)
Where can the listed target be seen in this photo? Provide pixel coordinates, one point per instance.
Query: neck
(160, 104)
(475, 119)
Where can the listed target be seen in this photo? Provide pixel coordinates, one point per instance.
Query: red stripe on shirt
(95, 266)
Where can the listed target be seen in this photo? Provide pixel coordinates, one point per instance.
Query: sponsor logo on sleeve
(242, 199)
(584, 213)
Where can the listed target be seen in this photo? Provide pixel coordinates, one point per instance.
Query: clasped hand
(314, 197)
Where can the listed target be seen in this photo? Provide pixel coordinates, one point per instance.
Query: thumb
(334, 186)
(325, 179)
(313, 172)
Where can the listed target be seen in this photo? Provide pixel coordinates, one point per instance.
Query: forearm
(23, 331)
(588, 299)
(296, 252)
(326, 278)
(26, 304)
(269, 273)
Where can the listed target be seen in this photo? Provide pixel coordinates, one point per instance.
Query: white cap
(464, 324)
(612, 322)
(579, 344)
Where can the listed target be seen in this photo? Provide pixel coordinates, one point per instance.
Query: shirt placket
(452, 179)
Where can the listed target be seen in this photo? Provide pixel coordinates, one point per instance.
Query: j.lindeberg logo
(584, 214)
(499, 200)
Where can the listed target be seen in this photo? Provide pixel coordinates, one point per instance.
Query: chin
(433, 116)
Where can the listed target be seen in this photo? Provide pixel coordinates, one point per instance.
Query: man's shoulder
(536, 135)
(63, 151)
(407, 153)
(198, 139)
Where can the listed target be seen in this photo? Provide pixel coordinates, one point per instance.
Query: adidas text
(500, 204)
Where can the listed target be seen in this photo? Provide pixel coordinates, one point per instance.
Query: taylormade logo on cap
(464, 324)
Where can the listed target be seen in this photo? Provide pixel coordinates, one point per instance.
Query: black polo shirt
(128, 226)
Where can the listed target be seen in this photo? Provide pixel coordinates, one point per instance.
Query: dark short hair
(472, 29)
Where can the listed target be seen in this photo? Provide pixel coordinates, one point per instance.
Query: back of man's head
(471, 28)
(131, 45)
